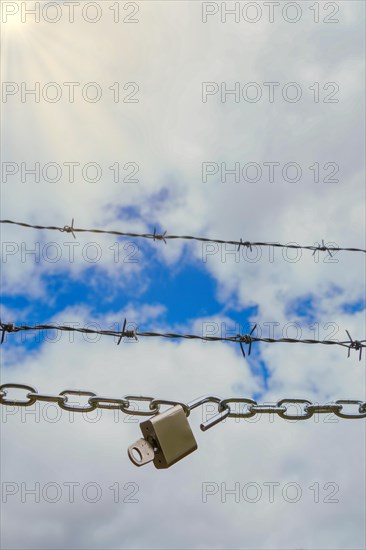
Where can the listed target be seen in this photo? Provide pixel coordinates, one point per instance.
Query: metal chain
(164, 237)
(226, 408)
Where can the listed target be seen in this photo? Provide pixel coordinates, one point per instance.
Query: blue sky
(184, 293)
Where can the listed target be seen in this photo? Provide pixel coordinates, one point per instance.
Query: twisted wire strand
(248, 339)
(165, 237)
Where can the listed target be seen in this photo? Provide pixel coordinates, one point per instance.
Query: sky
(191, 119)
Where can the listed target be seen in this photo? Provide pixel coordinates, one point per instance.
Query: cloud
(168, 134)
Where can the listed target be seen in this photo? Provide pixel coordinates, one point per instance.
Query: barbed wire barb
(69, 229)
(6, 327)
(122, 332)
(324, 248)
(244, 243)
(356, 345)
(160, 237)
(246, 339)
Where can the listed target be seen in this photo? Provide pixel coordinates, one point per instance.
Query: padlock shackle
(202, 400)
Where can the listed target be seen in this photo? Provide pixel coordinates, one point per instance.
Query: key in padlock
(167, 438)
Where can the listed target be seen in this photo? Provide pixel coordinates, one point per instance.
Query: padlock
(167, 438)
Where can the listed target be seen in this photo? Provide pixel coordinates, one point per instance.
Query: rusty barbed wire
(165, 237)
(247, 339)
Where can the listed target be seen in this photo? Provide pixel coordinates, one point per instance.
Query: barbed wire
(240, 339)
(165, 237)
(233, 407)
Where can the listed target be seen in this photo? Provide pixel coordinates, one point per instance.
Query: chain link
(20, 402)
(136, 398)
(59, 399)
(361, 411)
(77, 408)
(232, 407)
(304, 413)
(224, 405)
(109, 403)
(323, 409)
